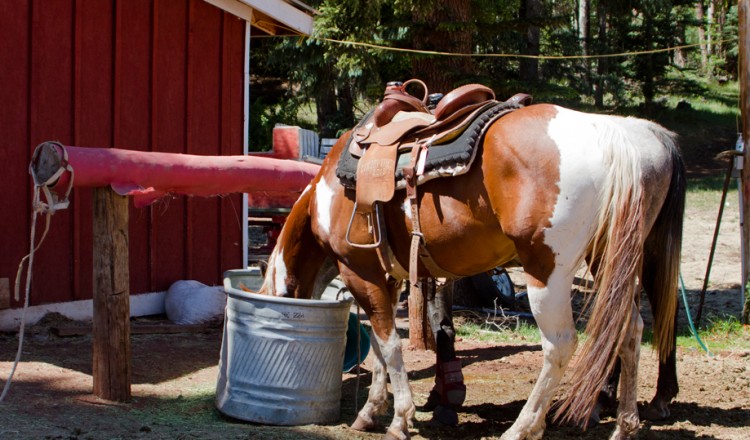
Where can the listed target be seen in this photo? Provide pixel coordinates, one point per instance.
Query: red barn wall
(151, 75)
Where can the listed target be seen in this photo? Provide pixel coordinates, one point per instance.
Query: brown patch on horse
(523, 186)
(302, 254)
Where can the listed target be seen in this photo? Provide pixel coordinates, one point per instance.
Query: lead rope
(38, 207)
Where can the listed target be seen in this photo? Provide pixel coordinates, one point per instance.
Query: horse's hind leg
(627, 411)
(666, 389)
(449, 391)
(666, 385)
(550, 304)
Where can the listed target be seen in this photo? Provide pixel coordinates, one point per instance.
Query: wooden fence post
(111, 326)
(743, 12)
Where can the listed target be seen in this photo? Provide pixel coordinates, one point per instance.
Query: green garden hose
(690, 318)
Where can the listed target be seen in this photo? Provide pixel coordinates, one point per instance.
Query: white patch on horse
(279, 275)
(583, 172)
(323, 198)
(403, 404)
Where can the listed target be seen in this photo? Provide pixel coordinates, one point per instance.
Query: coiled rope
(52, 204)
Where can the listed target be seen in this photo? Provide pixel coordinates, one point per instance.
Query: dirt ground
(174, 378)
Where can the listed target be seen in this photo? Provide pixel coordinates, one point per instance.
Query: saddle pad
(450, 159)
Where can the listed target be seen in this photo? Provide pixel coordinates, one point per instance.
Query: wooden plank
(93, 119)
(168, 129)
(51, 118)
(14, 134)
(232, 136)
(203, 136)
(111, 323)
(132, 118)
(743, 13)
(285, 13)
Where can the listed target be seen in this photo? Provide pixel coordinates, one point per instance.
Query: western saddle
(404, 125)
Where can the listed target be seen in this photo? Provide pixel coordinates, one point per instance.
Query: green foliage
(487, 331)
(341, 82)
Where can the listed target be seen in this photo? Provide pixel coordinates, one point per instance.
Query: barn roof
(271, 16)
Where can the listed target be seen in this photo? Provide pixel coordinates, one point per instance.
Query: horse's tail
(662, 255)
(617, 250)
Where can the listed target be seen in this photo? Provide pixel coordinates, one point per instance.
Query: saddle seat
(381, 143)
(402, 118)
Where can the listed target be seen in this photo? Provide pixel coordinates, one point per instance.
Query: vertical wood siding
(149, 75)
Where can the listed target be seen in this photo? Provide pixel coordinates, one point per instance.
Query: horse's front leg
(377, 398)
(449, 391)
(378, 297)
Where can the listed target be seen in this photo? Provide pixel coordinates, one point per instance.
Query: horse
(550, 188)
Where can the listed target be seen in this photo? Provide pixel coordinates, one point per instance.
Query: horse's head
(297, 257)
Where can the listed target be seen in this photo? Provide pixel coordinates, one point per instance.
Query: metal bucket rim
(241, 294)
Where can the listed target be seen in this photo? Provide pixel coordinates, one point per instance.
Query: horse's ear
(263, 265)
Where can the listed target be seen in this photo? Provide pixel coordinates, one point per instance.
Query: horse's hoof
(362, 424)
(395, 435)
(656, 410)
(594, 418)
(619, 435)
(444, 416)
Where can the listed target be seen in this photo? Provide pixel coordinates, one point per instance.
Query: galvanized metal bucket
(281, 358)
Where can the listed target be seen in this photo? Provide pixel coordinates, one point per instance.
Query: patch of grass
(720, 334)
(194, 409)
(521, 332)
(705, 193)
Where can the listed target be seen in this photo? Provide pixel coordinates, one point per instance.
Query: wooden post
(111, 326)
(743, 12)
(420, 332)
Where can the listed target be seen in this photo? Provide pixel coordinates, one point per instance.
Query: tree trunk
(710, 27)
(530, 11)
(647, 75)
(721, 21)
(583, 38)
(325, 103)
(346, 105)
(601, 66)
(679, 58)
(700, 16)
(583, 25)
(444, 27)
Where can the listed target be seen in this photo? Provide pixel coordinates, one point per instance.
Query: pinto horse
(551, 188)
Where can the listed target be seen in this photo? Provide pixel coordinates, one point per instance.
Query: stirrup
(376, 235)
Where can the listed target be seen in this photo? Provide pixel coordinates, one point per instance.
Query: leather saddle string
(410, 175)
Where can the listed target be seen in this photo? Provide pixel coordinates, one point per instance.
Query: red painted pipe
(147, 176)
